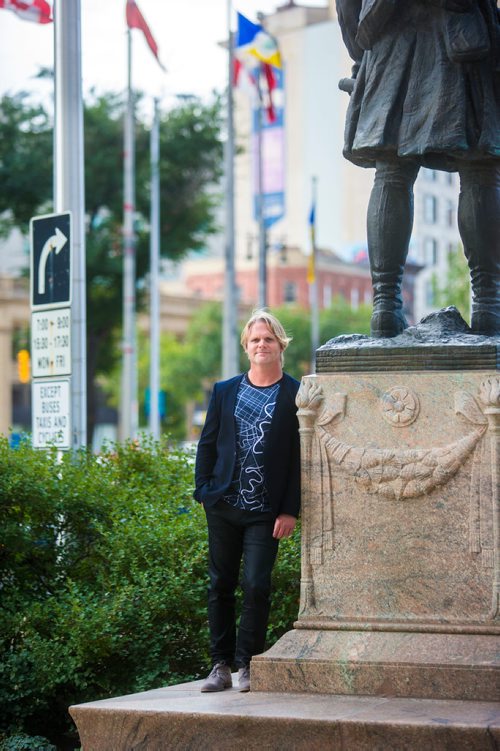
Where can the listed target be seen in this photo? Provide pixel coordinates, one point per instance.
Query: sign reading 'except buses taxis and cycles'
(51, 414)
(51, 342)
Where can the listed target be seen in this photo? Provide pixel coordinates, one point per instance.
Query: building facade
(286, 279)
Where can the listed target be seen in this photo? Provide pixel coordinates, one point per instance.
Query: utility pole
(128, 405)
(260, 202)
(154, 273)
(230, 311)
(69, 192)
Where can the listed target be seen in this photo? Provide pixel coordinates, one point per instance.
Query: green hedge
(103, 580)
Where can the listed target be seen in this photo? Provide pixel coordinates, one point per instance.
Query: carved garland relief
(400, 473)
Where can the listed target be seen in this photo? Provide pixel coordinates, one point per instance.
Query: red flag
(242, 72)
(37, 11)
(271, 85)
(135, 20)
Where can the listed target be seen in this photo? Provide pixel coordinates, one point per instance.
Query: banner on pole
(273, 156)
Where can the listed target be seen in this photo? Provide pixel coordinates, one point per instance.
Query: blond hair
(274, 326)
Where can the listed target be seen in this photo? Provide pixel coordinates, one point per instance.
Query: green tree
(187, 367)
(25, 161)
(190, 166)
(338, 319)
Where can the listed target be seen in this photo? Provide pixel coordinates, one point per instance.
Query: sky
(187, 33)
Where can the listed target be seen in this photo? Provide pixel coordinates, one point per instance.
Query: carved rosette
(400, 406)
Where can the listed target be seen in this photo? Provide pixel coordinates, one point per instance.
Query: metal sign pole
(154, 291)
(129, 406)
(69, 193)
(260, 189)
(230, 317)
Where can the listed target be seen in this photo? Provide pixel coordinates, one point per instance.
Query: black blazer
(216, 454)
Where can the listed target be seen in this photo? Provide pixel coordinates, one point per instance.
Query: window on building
(367, 297)
(290, 292)
(429, 174)
(354, 298)
(430, 209)
(431, 251)
(450, 178)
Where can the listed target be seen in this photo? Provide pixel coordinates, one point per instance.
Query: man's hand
(284, 526)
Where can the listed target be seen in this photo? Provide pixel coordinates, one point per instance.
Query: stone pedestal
(400, 590)
(180, 718)
(397, 640)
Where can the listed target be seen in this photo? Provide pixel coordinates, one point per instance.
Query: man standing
(248, 479)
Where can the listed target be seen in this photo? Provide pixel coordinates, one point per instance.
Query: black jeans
(235, 535)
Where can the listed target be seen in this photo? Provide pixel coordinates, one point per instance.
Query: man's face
(262, 346)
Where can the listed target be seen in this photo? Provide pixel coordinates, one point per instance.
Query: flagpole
(313, 290)
(69, 192)
(260, 200)
(230, 312)
(129, 411)
(154, 377)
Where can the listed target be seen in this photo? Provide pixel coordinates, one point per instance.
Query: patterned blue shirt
(253, 413)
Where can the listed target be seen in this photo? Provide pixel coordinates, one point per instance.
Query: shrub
(24, 742)
(103, 580)
(102, 576)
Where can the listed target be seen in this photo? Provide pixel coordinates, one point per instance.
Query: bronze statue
(425, 92)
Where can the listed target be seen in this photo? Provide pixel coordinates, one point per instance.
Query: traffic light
(23, 365)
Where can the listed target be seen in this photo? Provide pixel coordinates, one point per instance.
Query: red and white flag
(135, 20)
(37, 11)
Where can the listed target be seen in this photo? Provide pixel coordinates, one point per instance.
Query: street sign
(51, 342)
(51, 414)
(50, 261)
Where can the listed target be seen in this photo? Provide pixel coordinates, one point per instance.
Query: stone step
(180, 718)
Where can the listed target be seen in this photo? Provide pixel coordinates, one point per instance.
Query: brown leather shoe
(219, 678)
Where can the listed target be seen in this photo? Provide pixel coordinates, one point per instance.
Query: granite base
(180, 718)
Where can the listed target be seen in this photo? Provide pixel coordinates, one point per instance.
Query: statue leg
(389, 225)
(479, 226)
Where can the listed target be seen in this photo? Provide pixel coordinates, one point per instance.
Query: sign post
(69, 192)
(51, 329)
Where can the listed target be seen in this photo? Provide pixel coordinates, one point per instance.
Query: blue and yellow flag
(254, 41)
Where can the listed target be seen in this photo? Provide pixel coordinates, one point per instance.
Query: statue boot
(479, 225)
(389, 224)
(484, 265)
(485, 318)
(387, 318)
